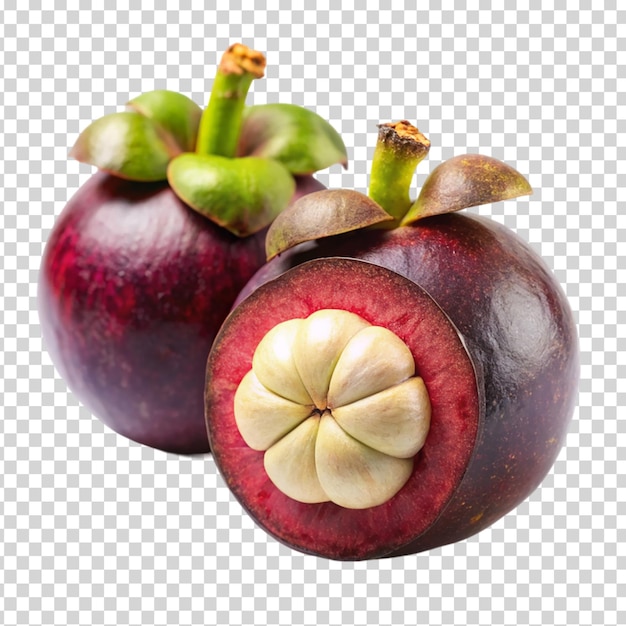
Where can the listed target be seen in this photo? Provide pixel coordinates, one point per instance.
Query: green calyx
(138, 144)
(459, 183)
(231, 163)
(206, 180)
(301, 140)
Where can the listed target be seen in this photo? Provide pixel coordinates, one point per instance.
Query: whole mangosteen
(146, 259)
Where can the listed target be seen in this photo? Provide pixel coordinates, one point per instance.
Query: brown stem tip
(239, 59)
(404, 136)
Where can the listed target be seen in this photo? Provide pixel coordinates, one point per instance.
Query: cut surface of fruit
(364, 417)
(355, 457)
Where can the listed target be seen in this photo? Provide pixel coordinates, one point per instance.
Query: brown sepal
(465, 181)
(322, 214)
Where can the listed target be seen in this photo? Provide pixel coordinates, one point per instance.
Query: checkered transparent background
(98, 530)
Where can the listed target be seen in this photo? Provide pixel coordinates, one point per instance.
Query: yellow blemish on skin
(476, 518)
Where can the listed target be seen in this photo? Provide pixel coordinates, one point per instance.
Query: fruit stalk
(221, 121)
(399, 150)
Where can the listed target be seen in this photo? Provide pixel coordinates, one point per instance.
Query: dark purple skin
(134, 286)
(519, 332)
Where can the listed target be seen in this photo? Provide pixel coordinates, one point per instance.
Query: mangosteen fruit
(146, 259)
(399, 376)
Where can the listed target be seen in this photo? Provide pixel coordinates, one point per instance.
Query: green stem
(221, 121)
(399, 150)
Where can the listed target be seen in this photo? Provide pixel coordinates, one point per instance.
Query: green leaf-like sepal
(176, 114)
(301, 140)
(466, 181)
(126, 144)
(139, 144)
(242, 195)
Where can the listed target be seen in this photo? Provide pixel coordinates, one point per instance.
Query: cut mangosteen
(344, 415)
(491, 337)
(148, 256)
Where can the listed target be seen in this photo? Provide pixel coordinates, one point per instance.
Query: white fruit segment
(290, 463)
(264, 416)
(338, 456)
(394, 421)
(320, 341)
(274, 365)
(380, 360)
(335, 404)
